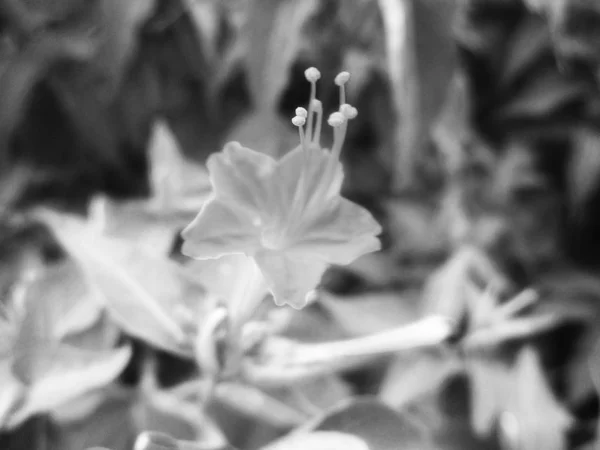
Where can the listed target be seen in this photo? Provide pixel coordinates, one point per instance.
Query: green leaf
(73, 373)
(416, 374)
(272, 34)
(534, 418)
(528, 44)
(141, 291)
(368, 313)
(109, 424)
(319, 440)
(379, 426)
(542, 96)
(119, 23)
(179, 189)
(421, 62)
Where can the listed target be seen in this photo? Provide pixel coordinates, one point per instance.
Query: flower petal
(323, 176)
(290, 279)
(220, 229)
(242, 176)
(340, 233)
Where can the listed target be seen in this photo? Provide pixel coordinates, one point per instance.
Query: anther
(312, 74)
(336, 119)
(342, 78)
(301, 112)
(348, 111)
(299, 120)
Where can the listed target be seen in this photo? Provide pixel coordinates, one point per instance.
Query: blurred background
(477, 141)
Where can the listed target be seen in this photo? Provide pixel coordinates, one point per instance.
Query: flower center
(273, 238)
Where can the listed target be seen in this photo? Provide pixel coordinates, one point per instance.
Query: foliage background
(477, 140)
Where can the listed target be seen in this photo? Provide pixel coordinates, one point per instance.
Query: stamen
(301, 112)
(299, 121)
(336, 119)
(348, 111)
(339, 123)
(312, 74)
(317, 108)
(341, 79)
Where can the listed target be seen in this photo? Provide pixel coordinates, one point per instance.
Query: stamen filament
(318, 108)
(309, 126)
(312, 75)
(339, 124)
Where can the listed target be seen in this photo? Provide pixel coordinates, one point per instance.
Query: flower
(287, 215)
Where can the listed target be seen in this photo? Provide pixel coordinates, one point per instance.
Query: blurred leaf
(319, 440)
(179, 189)
(490, 383)
(24, 70)
(368, 313)
(272, 34)
(421, 62)
(266, 133)
(120, 23)
(584, 168)
(380, 427)
(72, 306)
(415, 374)
(255, 403)
(535, 416)
(316, 395)
(142, 292)
(594, 369)
(527, 45)
(109, 425)
(73, 373)
(177, 183)
(416, 233)
(542, 96)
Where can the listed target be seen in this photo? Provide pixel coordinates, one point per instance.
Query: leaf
(490, 387)
(526, 46)
(319, 440)
(537, 420)
(140, 291)
(421, 62)
(380, 427)
(179, 189)
(314, 396)
(584, 168)
(119, 26)
(272, 33)
(178, 184)
(415, 374)
(543, 96)
(266, 133)
(109, 425)
(74, 372)
(257, 404)
(368, 313)
(73, 307)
